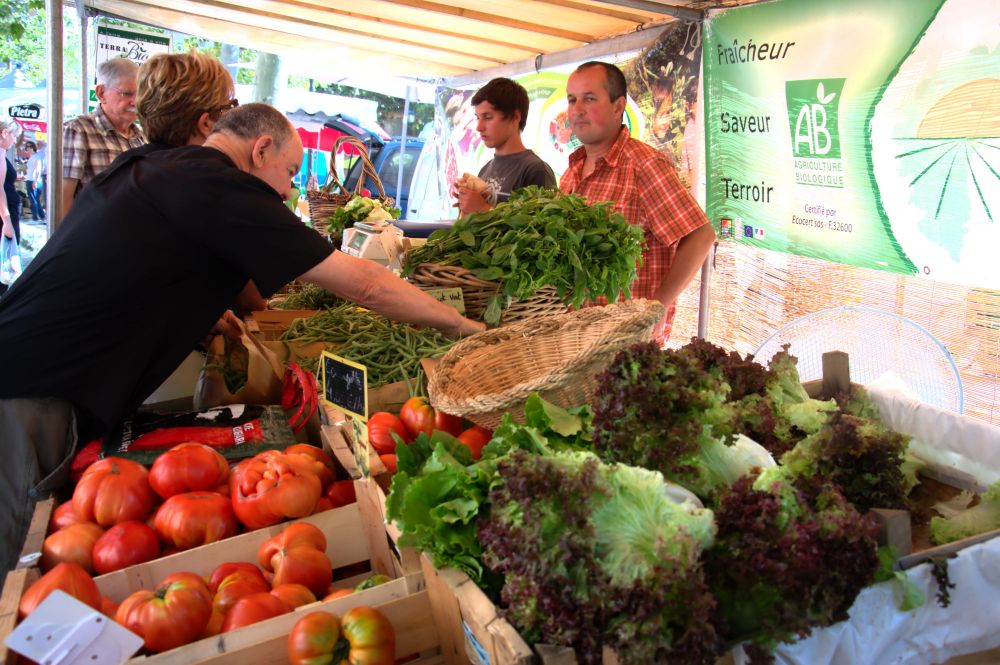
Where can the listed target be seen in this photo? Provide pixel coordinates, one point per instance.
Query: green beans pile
(390, 351)
(310, 296)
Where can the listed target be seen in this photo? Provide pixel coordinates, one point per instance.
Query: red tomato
(272, 486)
(253, 608)
(173, 614)
(64, 515)
(294, 595)
(235, 586)
(109, 608)
(341, 493)
(297, 555)
(323, 505)
(381, 426)
(476, 438)
(225, 570)
(370, 637)
(328, 473)
(417, 416)
(195, 518)
(446, 422)
(68, 577)
(390, 463)
(188, 467)
(124, 545)
(335, 592)
(73, 544)
(113, 490)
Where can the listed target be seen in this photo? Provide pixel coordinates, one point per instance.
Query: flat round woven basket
(477, 293)
(493, 372)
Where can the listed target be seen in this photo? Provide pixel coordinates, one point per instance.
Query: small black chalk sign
(345, 384)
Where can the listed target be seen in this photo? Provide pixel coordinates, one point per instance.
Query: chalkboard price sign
(345, 384)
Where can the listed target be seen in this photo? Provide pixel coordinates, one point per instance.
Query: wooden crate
(271, 324)
(353, 538)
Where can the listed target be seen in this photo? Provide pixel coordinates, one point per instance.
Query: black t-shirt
(148, 258)
(505, 173)
(13, 198)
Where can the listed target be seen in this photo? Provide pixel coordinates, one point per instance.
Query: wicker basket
(476, 293)
(494, 372)
(324, 201)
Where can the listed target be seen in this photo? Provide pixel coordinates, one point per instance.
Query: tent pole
(54, 39)
(402, 152)
(81, 9)
(705, 295)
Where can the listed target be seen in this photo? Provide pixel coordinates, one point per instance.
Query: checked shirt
(647, 192)
(90, 144)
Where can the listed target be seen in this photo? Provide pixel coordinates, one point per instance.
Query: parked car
(387, 154)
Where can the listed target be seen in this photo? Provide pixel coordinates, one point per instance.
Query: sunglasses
(228, 106)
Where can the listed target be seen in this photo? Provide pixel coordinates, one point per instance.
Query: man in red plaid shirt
(612, 166)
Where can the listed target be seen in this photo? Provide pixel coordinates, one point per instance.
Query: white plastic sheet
(877, 632)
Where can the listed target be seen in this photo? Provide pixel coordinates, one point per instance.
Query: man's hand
(8, 228)
(469, 200)
(228, 325)
(465, 328)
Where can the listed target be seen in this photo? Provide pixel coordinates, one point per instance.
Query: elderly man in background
(93, 140)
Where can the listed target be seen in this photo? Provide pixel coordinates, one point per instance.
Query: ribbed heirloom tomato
(64, 515)
(445, 422)
(326, 471)
(173, 614)
(195, 518)
(123, 545)
(295, 595)
(253, 608)
(68, 577)
(381, 426)
(476, 438)
(273, 486)
(297, 555)
(417, 416)
(113, 490)
(188, 467)
(74, 544)
(363, 636)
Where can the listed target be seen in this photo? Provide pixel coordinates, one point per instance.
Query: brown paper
(265, 373)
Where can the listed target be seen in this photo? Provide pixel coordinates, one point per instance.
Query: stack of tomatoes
(122, 514)
(417, 417)
(292, 570)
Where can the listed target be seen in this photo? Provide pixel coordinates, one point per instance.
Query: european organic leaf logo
(814, 117)
(823, 98)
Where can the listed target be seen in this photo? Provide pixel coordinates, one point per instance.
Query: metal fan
(877, 342)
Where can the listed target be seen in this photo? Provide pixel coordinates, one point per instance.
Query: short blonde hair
(174, 89)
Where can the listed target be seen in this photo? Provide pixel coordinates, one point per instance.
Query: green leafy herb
(540, 238)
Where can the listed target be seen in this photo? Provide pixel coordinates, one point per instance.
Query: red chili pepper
(217, 437)
(299, 393)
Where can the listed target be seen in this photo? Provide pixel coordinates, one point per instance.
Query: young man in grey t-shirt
(501, 113)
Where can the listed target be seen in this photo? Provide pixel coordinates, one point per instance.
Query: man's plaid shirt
(90, 144)
(645, 188)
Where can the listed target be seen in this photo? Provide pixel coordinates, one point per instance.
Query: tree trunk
(271, 79)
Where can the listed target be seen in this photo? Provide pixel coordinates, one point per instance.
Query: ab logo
(813, 117)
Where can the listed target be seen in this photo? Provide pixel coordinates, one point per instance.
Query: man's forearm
(691, 252)
(374, 287)
(68, 193)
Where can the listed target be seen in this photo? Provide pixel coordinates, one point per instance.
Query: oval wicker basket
(493, 372)
(476, 293)
(323, 202)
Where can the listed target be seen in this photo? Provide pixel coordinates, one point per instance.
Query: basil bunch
(540, 238)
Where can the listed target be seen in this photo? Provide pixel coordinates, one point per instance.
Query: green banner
(865, 133)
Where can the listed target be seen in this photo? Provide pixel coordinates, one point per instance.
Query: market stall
(556, 489)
